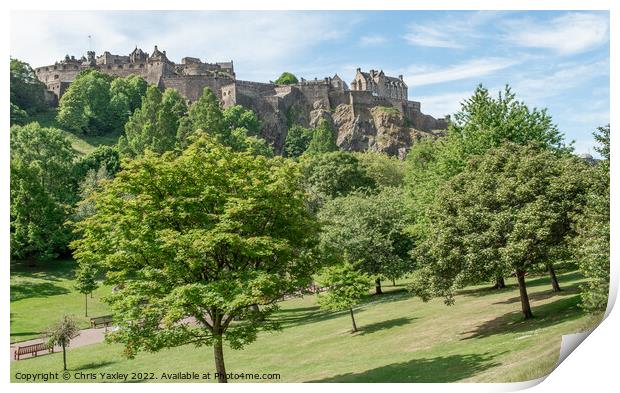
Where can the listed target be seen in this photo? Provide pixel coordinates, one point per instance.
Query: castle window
(141, 65)
(55, 67)
(56, 76)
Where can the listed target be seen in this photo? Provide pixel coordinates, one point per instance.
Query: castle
(275, 104)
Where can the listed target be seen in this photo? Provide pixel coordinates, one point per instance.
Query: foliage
(286, 78)
(237, 116)
(102, 156)
(97, 103)
(323, 139)
(126, 95)
(505, 213)
(91, 183)
(42, 191)
(386, 171)
(371, 229)
(331, 175)
(346, 287)
(483, 123)
(297, 140)
(18, 115)
(85, 282)
(235, 127)
(205, 235)
(591, 244)
(85, 106)
(61, 334)
(154, 125)
(27, 92)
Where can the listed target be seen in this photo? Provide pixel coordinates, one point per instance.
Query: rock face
(379, 128)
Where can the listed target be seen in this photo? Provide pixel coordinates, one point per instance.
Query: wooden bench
(33, 348)
(105, 321)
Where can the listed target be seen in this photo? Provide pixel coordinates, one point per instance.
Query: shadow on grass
(50, 271)
(559, 311)
(538, 280)
(94, 365)
(383, 325)
(289, 317)
(543, 295)
(439, 369)
(26, 290)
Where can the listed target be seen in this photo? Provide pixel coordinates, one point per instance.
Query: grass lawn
(41, 295)
(482, 338)
(83, 144)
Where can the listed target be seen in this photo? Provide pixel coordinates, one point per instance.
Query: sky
(557, 60)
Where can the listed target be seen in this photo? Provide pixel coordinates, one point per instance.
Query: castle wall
(192, 86)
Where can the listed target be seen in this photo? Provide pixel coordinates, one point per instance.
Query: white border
(593, 365)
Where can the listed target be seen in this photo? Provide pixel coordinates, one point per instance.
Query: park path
(86, 337)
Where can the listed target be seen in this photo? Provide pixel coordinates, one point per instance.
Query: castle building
(274, 104)
(380, 85)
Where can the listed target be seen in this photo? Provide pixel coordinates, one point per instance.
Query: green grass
(82, 143)
(41, 295)
(482, 338)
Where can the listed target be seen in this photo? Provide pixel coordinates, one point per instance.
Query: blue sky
(558, 60)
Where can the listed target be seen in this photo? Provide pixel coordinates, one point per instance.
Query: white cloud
(453, 31)
(469, 69)
(370, 40)
(256, 41)
(536, 86)
(439, 105)
(566, 34)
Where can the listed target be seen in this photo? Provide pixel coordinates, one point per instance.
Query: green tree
(504, 214)
(323, 139)
(591, 245)
(297, 140)
(18, 115)
(102, 156)
(42, 191)
(371, 229)
(27, 92)
(331, 175)
(154, 125)
(286, 78)
(85, 106)
(346, 287)
(237, 116)
(91, 183)
(61, 334)
(484, 122)
(125, 97)
(202, 235)
(386, 171)
(85, 282)
(235, 127)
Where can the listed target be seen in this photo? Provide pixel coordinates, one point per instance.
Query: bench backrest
(32, 348)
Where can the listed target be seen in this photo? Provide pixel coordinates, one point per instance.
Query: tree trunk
(378, 290)
(64, 357)
(554, 280)
(499, 283)
(525, 301)
(86, 303)
(220, 368)
(353, 320)
(393, 282)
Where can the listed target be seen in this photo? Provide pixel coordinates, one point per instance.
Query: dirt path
(86, 337)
